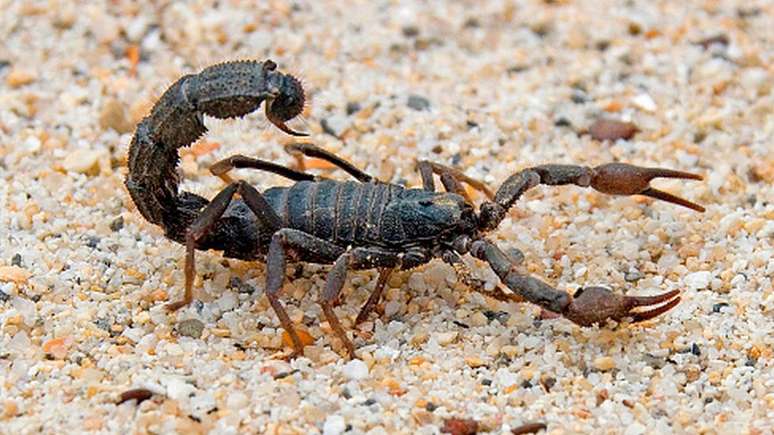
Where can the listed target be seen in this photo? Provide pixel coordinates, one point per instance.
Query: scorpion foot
(174, 306)
(597, 305)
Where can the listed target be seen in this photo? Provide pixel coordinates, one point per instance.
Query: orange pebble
(56, 347)
(306, 338)
(133, 54)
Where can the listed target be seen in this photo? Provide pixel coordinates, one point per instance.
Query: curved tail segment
(226, 90)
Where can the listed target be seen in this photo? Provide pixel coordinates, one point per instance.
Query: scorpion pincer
(353, 225)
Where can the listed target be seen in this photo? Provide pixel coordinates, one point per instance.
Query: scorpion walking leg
(238, 161)
(376, 295)
(451, 178)
(588, 306)
(465, 274)
(208, 217)
(299, 150)
(294, 244)
(358, 258)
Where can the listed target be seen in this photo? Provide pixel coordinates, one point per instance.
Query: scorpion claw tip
(597, 305)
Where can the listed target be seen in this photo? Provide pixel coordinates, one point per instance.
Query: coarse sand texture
(489, 87)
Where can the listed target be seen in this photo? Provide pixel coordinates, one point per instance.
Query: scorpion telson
(352, 225)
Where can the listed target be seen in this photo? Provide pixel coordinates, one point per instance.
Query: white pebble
(32, 144)
(634, 429)
(391, 308)
(26, 308)
(337, 124)
(81, 161)
(174, 349)
(445, 338)
(178, 389)
(134, 334)
(227, 302)
(236, 400)
(698, 280)
(754, 79)
(505, 379)
(355, 370)
(334, 425)
(645, 102)
(19, 343)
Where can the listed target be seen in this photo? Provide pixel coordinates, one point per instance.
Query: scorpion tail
(226, 90)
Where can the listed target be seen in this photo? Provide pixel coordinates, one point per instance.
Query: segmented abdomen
(345, 213)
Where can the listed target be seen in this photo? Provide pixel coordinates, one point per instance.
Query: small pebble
(717, 308)
(178, 389)
(500, 316)
(547, 382)
(460, 426)
(410, 31)
(334, 425)
(138, 394)
(609, 129)
(117, 224)
(18, 78)
(113, 115)
(355, 370)
(14, 274)
(635, 428)
(57, 347)
(645, 102)
(417, 102)
(353, 107)
(698, 280)
(92, 241)
(190, 328)
(335, 125)
(528, 428)
(604, 363)
(83, 161)
(445, 338)
(633, 276)
(237, 400)
(236, 283)
(16, 260)
(26, 308)
(478, 319)
(474, 362)
(719, 39)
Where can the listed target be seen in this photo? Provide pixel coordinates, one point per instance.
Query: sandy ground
(491, 87)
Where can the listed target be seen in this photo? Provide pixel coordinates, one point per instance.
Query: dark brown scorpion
(353, 225)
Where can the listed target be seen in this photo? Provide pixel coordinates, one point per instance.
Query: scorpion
(352, 225)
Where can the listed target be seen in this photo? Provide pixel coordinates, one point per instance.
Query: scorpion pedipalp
(598, 304)
(626, 179)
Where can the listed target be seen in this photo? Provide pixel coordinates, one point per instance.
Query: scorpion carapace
(358, 224)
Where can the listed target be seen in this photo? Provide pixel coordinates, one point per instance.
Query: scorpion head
(426, 217)
(287, 101)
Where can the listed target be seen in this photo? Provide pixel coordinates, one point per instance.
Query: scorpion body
(350, 224)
